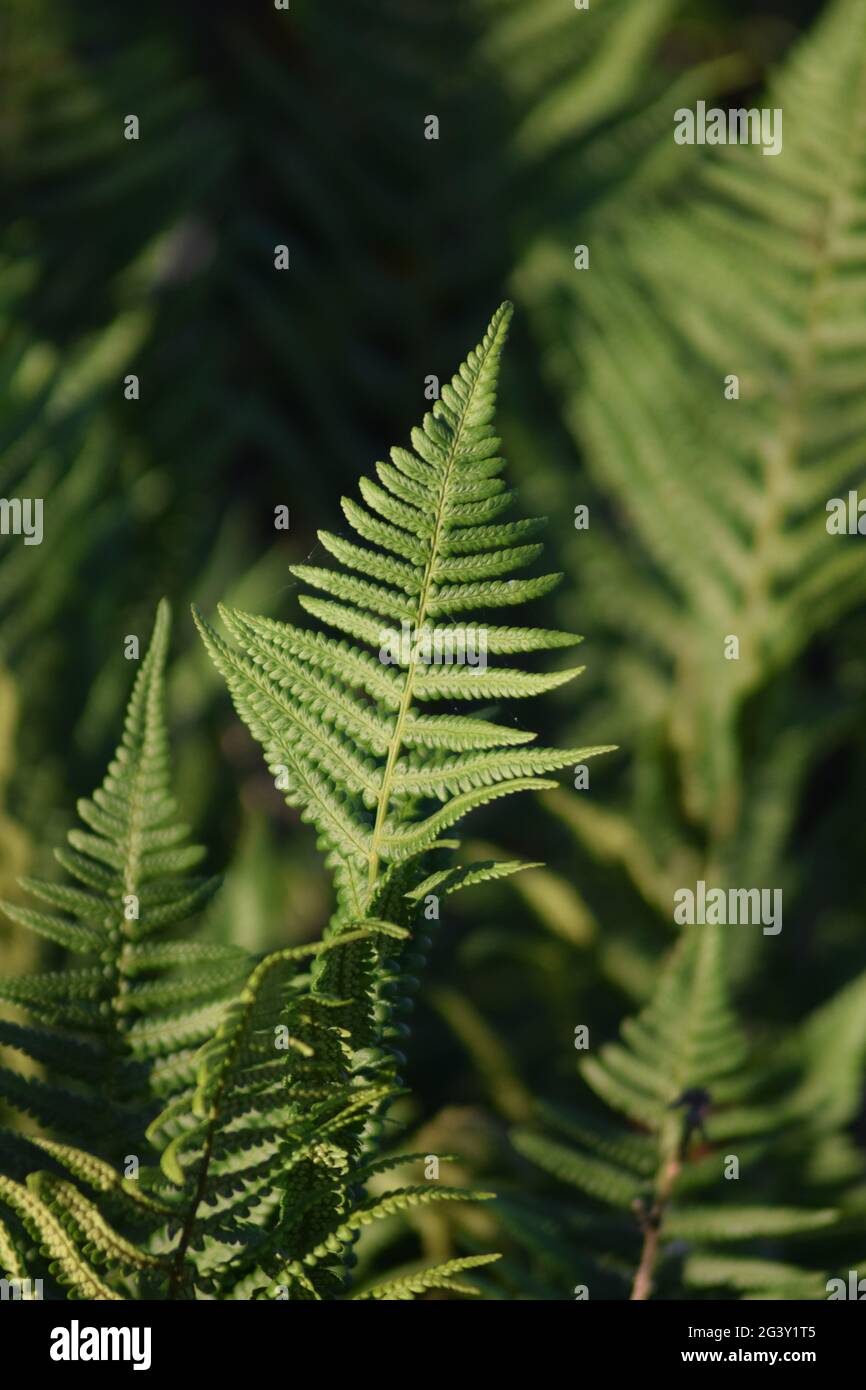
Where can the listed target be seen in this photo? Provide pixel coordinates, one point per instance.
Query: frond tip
(444, 1276)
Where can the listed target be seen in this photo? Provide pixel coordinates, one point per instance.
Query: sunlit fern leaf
(127, 1196)
(112, 1037)
(85, 1224)
(12, 1265)
(345, 727)
(365, 1213)
(66, 1262)
(266, 1145)
(267, 1134)
(340, 724)
(343, 734)
(452, 880)
(754, 1278)
(93, 1237)
(727, 1223)
(444, 1276)
(261, 1157)
(264, 1171)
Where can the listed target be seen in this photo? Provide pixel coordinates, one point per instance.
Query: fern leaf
(452, 880)
(681, 1075)
(339, 725)
(11, 1259)
(131, 887)
(378, 1209)
(67, 1264)
(591, 1175)
(434, 552)
(409, 1286)
(729, 1223)
(726, 499)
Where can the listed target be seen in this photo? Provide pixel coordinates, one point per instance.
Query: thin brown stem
(652, 1229)
(179, 1260)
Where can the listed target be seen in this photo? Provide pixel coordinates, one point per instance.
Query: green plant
(343, 726)
(113, 1025)
(709, 527)
(711, 1127)
(714, 517)
(269, 1132)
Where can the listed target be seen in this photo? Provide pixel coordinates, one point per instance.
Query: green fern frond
(99, 1030)
(683, 1078)
(261, 1153)
(615, 1185)
(273, 1086)
(266, 1146)
(754, 1278)
(66, 1262)
(725, 499)
(340, 723)
(126, 1194)
(11, 1257)
(460, 876)
(409, 1286)
(341, 730)
(734, 1223)
(431, 551)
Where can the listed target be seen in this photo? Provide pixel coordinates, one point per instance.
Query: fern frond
(725, 499)
(266, 1144)
(127, 1194)
(409, 1286)
(430, 551)
(341, 730)
(66, 1262)
(683, 1078)
(101, 1026)
(452, 880)
(754, 1278)
(11, 1257)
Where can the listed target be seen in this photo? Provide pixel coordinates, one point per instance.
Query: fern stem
(396, 744)
(674, 1139)
(652, 1226)
(192, 1212)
